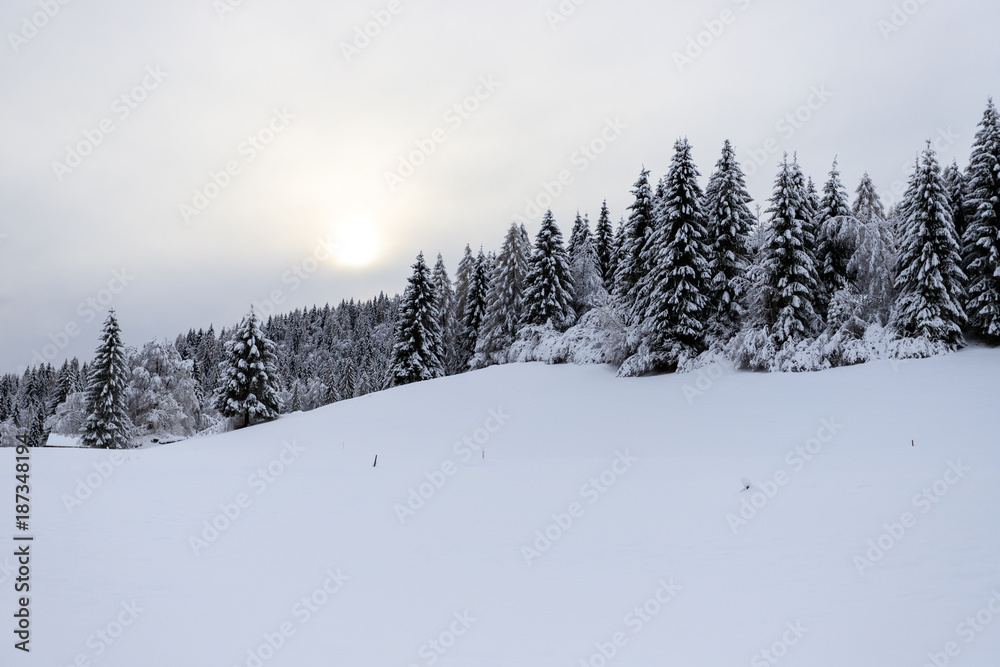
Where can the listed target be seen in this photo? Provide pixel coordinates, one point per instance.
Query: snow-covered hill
(536, 515)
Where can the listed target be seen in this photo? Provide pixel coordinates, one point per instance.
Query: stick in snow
(376, 461)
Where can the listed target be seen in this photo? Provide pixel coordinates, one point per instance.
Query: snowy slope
(452, 586)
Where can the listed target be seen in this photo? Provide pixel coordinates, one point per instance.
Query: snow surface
(664, 518)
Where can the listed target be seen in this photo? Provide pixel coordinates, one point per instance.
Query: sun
(357, 244)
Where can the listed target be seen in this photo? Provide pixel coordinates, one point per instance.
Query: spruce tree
(678, 285)
(248, 390)
(982, 238)
(475, 308)
(505, 301)
(871, 267)
(930, 279)
(466, 267)
(788, 272)
(630, 269)
(549, 287)
(107, 425)
(604, 245)
(448, 317)
(579, 235)
(417, 352)
(956, 183)
(729, 225)
(835, 247)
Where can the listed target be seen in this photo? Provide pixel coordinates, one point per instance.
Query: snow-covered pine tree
(930, 280)
(505, 300)
(787, 270)
(956, 183)
(107, 425)
(982, 237)
(548, 294)
(248, 389)
(633, 233)
(604, 245)
(835, 244)
(678, 284)
(579, 234)
(466, 267)
(417, 352)
(474, 310)
(871, 267)
(729, 224)
(448, 316)
(588, 286)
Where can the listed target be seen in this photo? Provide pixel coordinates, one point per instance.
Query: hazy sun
(357, 244)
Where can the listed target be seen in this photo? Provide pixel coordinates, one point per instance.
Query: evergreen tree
(956, 183)
(871, 266)
(107, 425)
(788, 272)
(475, 308)
(982, 238)
(867, 205)
(417, 352)
(248, 390)
(730, 224)
(549, 286)
(604, 246)
(630, 269)
(463, 278)
(505, 300)
(835, 245)
(929, 283)
(678, 284)
(579, 235)
(448, 317)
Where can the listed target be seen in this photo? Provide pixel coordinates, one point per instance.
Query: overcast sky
(178, 160)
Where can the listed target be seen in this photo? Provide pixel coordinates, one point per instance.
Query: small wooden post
(376, 461)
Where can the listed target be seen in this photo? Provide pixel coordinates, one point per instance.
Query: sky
(183, 161)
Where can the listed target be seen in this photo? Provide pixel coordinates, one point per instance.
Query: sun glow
(357, 244)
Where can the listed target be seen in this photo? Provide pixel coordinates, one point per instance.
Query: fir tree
(630, 269)
(788, 272)
(107, 425)
(417, 352)
(248, 390)
(505, 300)
(730, 223)
(475, 308)
(835, 247)
(982, 238)
(956, 183)
(466, 267)
(929, 283)
(678, 284)
(579, 235)
(871, 266)
(448, 317)
(604, 246)
(549, 287)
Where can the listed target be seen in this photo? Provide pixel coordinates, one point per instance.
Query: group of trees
(689, 276)
(693, 274)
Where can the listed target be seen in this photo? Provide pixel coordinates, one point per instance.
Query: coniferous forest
(688, 276)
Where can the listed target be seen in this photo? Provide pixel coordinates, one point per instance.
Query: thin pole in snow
(376, 461)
